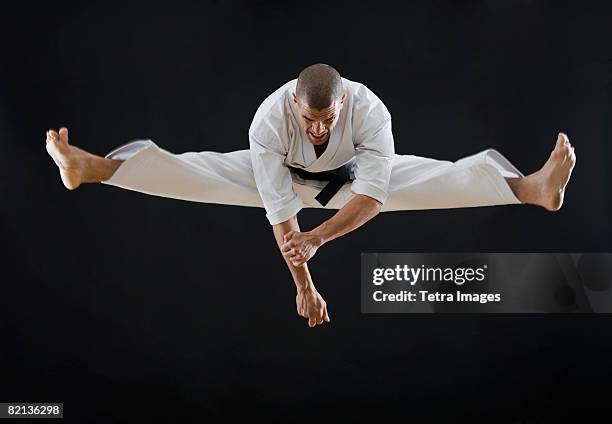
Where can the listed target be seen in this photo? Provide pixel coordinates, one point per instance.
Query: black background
(120, 304)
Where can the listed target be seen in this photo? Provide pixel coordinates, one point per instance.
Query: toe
(561, 139)
(63, 135)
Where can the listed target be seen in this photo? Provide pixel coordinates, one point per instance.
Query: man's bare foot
(77, 166)
(546, 187)
(70, 160)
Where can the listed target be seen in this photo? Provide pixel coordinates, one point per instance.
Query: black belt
(336, 177)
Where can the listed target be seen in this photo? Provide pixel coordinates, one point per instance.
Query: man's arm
(359, 210)
(300, 247)
(282, 204)
(309, 302)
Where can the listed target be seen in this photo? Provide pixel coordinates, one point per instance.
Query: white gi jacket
(362, 136)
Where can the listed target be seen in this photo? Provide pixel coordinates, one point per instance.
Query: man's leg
(77, 166)
(483, 179)
(546, 187)
(141, 165)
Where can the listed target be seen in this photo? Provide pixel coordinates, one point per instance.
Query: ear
(294, 98)
(342, 99)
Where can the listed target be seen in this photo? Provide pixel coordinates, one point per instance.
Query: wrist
(319, 235)
(301, 278)
(304, 286)
(308, 289)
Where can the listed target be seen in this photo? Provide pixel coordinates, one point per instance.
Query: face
(318, 123)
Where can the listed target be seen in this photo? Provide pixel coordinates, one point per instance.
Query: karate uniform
(362, 140)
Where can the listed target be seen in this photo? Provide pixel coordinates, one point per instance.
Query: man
(318, 141)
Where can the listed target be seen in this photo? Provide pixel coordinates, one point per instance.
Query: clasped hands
(299, 247)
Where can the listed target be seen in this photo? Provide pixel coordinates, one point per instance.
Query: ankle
(515, 186)
(523, 188)
(94, 169)
(106, 167)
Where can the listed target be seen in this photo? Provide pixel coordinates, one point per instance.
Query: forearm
(301, 275)
(359, 210)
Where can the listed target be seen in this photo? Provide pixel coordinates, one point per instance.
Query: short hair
(319, 85)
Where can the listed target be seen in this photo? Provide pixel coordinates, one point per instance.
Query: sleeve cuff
(286, 212)
(370, 190)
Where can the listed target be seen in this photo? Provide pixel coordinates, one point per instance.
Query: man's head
(319, 96)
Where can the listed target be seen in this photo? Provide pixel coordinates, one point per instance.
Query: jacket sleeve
(274, 182)
(374, 152)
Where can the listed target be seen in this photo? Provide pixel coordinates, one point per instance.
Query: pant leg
(423, 183)
(208, 177)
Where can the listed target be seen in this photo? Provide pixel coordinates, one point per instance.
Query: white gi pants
(227, 178)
